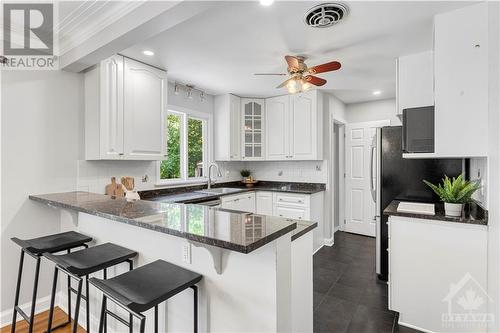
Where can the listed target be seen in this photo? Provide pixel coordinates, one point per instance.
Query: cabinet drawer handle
(281, 215)
(236, 199)
(121, 154)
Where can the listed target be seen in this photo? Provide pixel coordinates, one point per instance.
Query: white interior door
(360, 209)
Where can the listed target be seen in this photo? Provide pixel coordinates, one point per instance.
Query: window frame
(185, 114)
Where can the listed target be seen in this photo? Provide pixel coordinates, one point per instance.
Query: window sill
(181, 182)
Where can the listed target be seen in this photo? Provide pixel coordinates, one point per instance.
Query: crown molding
(90, 18)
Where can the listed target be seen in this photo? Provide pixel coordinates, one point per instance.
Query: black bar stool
(144, 288)
(35, 248)
(81, 264)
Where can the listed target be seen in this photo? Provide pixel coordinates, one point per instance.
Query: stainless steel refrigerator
(396, 178)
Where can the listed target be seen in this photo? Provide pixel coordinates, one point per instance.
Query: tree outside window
(186, 147)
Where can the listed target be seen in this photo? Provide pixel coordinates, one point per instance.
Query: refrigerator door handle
(373, 189)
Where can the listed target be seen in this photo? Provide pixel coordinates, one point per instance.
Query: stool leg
(77, 306)
(195, 309)
(52, 300)
(69, 295)
(18, 287)
(156, 319)
(130, 316)
(87, 303)
(103, 314)
(33, 299)
(105, 276)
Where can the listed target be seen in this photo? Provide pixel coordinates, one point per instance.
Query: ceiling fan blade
(280, 74)
(285, 83)
(293, 63)
(317, 81)
(328, 67)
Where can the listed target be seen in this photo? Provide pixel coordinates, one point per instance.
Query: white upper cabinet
(124, 111)
(252, 112)
(306, 127)
(145, 103)
(277, 128)
(461, 82)
(227, 131)
(415, 81)
(294, 127)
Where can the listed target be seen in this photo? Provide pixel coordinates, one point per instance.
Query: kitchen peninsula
(257, 269)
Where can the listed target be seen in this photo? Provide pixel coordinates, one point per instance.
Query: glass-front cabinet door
(253, 128)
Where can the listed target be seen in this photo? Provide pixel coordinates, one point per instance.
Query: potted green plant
(454, 193)
(245, 173)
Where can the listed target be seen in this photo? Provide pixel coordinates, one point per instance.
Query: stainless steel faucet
(219, 174)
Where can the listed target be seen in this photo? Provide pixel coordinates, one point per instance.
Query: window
(186, 148)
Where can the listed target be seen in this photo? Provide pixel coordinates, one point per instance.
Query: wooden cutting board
(115, 189)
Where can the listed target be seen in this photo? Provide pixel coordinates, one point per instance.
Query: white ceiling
(219, 50)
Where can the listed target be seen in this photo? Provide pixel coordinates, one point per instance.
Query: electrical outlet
(186, 253)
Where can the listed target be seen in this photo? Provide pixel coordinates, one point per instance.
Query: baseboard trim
(338, 228)
(319, 248)
(414, 327)
(42, 304)
(329, 241)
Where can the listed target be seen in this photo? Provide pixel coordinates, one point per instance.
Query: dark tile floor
(347, 294)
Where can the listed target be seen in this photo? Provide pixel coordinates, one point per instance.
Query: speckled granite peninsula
(187, 194)
(262, 264)
(197, 223)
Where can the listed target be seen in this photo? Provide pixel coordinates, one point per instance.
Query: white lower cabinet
(264, 203)
(307, 207)
(437, 274)
(241, 202)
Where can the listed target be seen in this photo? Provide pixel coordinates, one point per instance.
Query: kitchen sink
(220, 190)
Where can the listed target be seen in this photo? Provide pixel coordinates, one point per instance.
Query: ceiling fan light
(292, 86)
(306, 86)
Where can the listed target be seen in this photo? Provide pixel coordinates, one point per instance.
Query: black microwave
(418, 130)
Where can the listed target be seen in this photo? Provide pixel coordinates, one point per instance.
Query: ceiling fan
(301, 76)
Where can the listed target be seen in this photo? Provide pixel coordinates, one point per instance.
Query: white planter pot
(453, 209)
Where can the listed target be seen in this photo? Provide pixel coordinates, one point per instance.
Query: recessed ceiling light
(148, 53)
(266, 2)
(376, 92)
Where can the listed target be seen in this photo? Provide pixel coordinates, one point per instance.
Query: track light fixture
(190, 91)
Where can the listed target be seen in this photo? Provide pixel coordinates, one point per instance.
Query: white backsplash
(93, 176)
(288, 171)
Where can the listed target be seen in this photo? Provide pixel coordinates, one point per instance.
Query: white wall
(376, 110)
(40, 147)
(479, 173)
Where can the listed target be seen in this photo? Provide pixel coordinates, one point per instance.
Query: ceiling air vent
(325, 15)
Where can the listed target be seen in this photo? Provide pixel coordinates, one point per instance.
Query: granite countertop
(236, 231)
(187, 194)
(474, 214)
